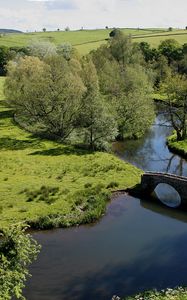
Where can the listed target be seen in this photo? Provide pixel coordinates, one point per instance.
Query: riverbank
(48, 184)
(168, 294)
(179, 148)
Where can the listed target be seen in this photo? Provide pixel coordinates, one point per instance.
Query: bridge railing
(168, 175)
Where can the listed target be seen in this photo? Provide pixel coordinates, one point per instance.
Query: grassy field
(50, 184)
(154, 40)
(86, 40)
(74, 37)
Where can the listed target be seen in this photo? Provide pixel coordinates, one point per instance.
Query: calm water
(138, 245)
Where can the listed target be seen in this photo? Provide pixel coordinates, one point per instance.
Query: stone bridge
(150, 180)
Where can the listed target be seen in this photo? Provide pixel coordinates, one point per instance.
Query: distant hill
(87, 40)
(2, 30)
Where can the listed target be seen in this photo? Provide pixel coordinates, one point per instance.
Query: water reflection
(138, 245)
(151, 152)
(126, 252)
(159, 208)
(167, 195)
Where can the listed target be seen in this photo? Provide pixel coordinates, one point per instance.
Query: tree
(45, 95)
(124, 50)
(184, 48)
(183, 65)
(17, 251)
(114, 32)
(134, 107)
(161, 70)
(150, 54)
(121, 47)
(44, 29)
(171, 49)
(66, 50)
(96, 119)
(41, 49)
(126, 85)
(67, 28)
(3, 59)
(175, 88)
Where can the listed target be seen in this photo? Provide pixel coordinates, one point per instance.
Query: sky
(31, 15)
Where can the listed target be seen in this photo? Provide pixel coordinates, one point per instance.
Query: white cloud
(52, 14)
(61, 5)
(40, 0)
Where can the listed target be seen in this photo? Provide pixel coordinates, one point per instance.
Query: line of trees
(100, 97)
(169, 66)
(94, 99)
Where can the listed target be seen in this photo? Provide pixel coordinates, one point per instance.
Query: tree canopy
(17, 251)
(97, 98)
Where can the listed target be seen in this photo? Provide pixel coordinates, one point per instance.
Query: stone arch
(168, 195)
(150, 180)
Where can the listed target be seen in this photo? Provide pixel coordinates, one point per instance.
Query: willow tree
(126, 85)
(96, 119)
(45, 95)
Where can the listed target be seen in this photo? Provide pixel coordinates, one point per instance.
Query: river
(137, 245)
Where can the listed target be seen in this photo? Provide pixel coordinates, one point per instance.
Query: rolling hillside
(4, 30)
(86, 40)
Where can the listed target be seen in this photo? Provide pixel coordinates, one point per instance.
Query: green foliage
(134, 106)
(175, 87)
(126, 85)
(161, 70)
(42, 49)
(171, 49)
(66, 50)
(149, 53)
(17, 251)
(99, 126)
(45, 99)
(123, 50)
(3, 59)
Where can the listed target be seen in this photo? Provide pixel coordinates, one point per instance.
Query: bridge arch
(150, 180)
(168, 195)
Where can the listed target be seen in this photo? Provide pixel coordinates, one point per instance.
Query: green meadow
(87, 40)
(48, 184)
(154, 40)
(74, 37)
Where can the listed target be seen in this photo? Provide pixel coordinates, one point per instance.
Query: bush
(17, 251)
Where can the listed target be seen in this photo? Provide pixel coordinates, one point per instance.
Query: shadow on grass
(6, 114)
(62, 151)
(7, 143)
